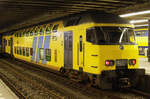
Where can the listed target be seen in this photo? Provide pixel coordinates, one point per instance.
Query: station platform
(143, 63)
(5, 92)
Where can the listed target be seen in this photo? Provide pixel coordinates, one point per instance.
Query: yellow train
(142, 40)
(94, 46)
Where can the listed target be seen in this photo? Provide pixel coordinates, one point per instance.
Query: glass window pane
(41, 31)
(23, 51)
(48, 29)
(17, 50)
(48, 54)
(41, 53)
(31, 51)
(36, 31)
(55, 28)
(20, 50)
(27, 52)
(31, 32)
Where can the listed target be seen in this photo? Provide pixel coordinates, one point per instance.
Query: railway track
(147, 95)
(46, 76)
(33, 84)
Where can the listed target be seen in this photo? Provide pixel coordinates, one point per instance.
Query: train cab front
(117, 55)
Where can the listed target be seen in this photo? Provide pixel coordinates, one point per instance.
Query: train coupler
(124, 83)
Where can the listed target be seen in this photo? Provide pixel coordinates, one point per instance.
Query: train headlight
(109, 62)
(132, 61)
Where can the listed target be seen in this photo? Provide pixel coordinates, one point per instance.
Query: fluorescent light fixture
(136, 13)
(141, 25)
(138, 21)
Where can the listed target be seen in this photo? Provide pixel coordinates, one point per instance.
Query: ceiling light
(141, 25)
(136, 13)
(138, 21)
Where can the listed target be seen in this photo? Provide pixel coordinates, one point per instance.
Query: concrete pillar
(148, 41)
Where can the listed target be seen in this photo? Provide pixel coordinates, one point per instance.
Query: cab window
(55, 28)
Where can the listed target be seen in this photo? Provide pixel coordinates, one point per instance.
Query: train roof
(96, 17)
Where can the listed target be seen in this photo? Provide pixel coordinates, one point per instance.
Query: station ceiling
(20, 13)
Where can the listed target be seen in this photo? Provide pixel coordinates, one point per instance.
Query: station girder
(20, 13)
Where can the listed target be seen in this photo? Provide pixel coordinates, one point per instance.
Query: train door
(68, 49)
(11, 46)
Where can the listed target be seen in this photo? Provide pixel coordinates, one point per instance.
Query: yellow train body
(101, 52)
(47, 48)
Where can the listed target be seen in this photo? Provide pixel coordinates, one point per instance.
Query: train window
(23, 51)
(24, 33)
(36, 32)
(90, 35)
(27, 52)
(17, 35)
(20, 50)
(41, 31)
(27, 33)
(109, 35)
(48, 54)
(80, 44)
(31, 51)
(17, 50)
(41, 53)
(5, 42)
(48, 29)
(9, 42)
(55, 28)
(54, 38)
(20, 34)
(31, 33)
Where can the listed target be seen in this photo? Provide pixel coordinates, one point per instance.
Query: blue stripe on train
(143, 46)
(46, 46)
(40, 43)
(34, 48)
(144, 35)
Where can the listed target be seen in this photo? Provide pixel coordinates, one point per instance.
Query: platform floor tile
(5, 92)
(143, 63)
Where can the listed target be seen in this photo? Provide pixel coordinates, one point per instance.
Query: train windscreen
(110, 35)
